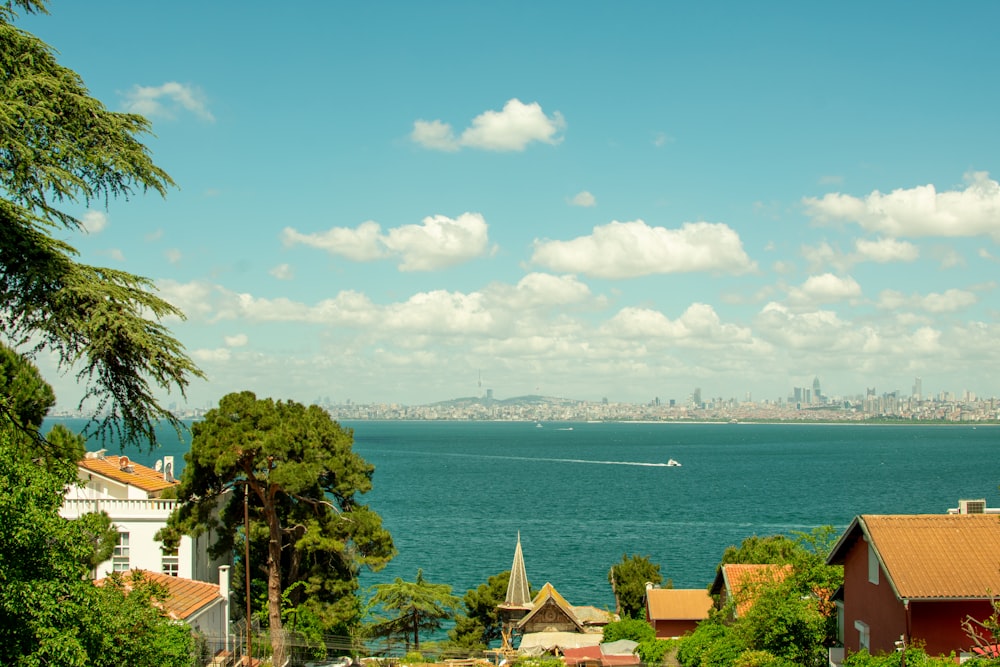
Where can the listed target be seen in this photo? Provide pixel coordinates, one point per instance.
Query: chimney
(224, 592)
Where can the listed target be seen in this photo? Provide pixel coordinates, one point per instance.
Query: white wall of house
(134, 513)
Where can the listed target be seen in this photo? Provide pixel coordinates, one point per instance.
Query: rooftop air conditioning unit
(972, 506)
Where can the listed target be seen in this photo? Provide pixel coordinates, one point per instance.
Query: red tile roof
(742, 580)
(932, 556)
(186, 596)
(121, 469)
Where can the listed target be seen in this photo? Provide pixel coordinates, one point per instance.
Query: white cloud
(630, 249)
(919, 211)
(698, 326)
(814, 330)
(825, 288)
(117, 255)
(661, 139)
(173, 255)
(437, 243)
(886, 250)
(282, 272)
(360, 244)
(166, 100)
(511, 129)
(537, 290)
(94, 222)
(584, 199)
(949, 301)
(237, 340)
(435, 135)
(219, 354)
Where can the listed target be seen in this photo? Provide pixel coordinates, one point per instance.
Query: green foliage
(755, 550)
(762, 659)
(791, 621)
(480, 624)
(628, 580)
(50, 612)
(915, 657)
(712, 644)
(539, 661)
(28, 396)
(785, 624)
(407, 607)
(653, 652)
(59, 148)
(635, 629)
(306, 523)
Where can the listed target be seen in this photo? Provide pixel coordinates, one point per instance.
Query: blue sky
(397, 201)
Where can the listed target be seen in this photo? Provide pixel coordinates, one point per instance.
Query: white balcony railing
(119, 508)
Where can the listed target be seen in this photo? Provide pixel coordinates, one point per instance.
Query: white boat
(673, 463)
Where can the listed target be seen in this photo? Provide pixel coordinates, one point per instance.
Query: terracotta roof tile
(743, 578)
(938, 555)
(678, 603)
(186, 595)
(133, 473)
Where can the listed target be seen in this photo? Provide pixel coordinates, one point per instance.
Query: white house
(132, 495)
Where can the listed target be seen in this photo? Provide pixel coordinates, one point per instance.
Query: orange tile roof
(141, 476)
(678, 604)
(186, 596)
(742, 579)
(937, 555)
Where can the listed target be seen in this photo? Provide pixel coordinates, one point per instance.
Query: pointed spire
(518, 594)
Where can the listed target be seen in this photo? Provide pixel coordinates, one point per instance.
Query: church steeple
(518, 594)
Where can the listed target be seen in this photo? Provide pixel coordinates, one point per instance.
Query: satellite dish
(159, 465)
(123, 462)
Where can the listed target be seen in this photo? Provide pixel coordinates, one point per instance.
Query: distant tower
(696, 397)
(817, 394)
(918, 388)
(517, 604)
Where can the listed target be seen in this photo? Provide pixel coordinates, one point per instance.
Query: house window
(170, 562)
(119, 558)
(864, 635)
(872, 565)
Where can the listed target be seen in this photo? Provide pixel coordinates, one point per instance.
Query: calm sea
(455, 495)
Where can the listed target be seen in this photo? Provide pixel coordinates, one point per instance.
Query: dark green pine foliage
(628, 579)
(61, 148)
(411, 607)
(309, 534)
(480, 625)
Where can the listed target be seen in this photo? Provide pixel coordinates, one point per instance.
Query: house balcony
(153, 509)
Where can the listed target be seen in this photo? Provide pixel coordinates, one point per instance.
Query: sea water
(456, 495)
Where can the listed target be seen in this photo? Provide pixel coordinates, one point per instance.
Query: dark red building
(916, 577)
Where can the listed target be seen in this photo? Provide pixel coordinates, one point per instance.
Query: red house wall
(665, 629)
(874, 604)
(939, 624)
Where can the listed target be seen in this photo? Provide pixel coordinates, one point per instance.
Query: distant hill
(516, 400)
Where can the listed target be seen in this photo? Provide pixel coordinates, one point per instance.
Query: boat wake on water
(644, 464)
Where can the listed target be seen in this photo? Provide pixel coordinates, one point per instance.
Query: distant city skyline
(410, 203)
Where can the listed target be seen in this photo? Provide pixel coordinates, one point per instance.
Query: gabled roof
(548, 595)
(931, 556)
(186, 596)
(121, 469)
(740, 580)
(678, 604)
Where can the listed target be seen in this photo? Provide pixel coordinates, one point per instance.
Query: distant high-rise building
(696, 397)
(918, 388)
(817, 395)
